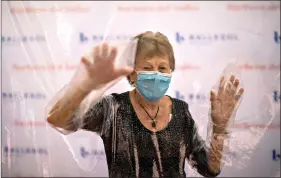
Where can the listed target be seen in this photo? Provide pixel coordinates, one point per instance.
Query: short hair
(152, 44)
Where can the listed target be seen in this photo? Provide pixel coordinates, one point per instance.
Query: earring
(133, 83)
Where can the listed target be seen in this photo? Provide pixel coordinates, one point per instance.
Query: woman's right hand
(103, 69)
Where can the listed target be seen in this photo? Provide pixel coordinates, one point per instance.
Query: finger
(112, 54)
(104, 51)
(85, 61)
(241, 91)
(232, 78)
(230, 89)
(236, 83)
(222, 80)
(213, 98)
(213, 95)
(239, 94)
(124, 71)
(221, 86)
(96, 52)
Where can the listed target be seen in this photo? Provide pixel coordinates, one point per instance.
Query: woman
(145, 132)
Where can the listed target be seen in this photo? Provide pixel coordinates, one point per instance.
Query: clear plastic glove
(225, 102)
(102, 69)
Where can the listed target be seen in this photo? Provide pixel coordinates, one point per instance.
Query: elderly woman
(145, 132)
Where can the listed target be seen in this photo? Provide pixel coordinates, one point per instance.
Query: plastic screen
(67, 112)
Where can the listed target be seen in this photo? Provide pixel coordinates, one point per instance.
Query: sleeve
(96, 119)
(197, 150)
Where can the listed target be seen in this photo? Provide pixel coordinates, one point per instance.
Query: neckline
(138, 120)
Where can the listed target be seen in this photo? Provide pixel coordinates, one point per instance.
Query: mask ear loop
(133, 83)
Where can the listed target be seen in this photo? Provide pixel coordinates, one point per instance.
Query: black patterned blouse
(134, 151)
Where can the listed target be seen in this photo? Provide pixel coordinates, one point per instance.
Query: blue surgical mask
(153, 85)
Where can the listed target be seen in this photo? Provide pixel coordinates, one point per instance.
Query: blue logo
(97, 153)
(276, 37)
(26, 150)
(26, 95)
(191, 97)
(98, 38)
(205, 37)
(23, 39)
(276, 96)
(275, 155)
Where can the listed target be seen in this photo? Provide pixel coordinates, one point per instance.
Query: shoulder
(182, 107)
(180, 104)
(120, 97)
(114, 98)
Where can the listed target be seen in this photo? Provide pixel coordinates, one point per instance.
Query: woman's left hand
(224, 103)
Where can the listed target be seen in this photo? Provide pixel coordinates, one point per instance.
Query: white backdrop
(42, 43)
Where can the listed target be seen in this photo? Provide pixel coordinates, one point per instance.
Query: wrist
(220, 136)
(219, 129)
(88, 85)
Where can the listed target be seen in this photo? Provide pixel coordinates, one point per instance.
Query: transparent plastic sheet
(241, 143)
(223, 86)
(243, 137)
(231, 70)
(110, 107)
(125, 58)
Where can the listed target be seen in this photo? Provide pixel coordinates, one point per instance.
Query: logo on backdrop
(259, 67)
(25, 95)
(83, 38)
(100, 154)
(191, 97)
(18, 151)
(69, 9)
(276, 96)
(253, 7)
(205, 38)
(158, 8)
(6, 40)
(203, 97)
(275, 155)
(276, 37)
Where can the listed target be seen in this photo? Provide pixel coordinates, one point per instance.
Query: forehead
(152, 60)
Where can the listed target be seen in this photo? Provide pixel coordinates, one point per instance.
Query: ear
(132, 77)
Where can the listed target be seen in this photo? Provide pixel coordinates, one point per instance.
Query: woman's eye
(162, 68)
(146, 68)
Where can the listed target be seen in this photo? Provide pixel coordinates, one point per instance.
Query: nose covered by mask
(153, 85)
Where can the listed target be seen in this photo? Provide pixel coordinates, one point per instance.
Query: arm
(94, 77)
(61, 113)
(215, 154)
(223, 109)
(68, 113)
(197, 153)
(223, 104)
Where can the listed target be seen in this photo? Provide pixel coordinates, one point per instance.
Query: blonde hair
(152, 44)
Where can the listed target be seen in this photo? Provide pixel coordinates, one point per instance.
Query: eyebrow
(146, 62)
(162, 62)
(166, 63)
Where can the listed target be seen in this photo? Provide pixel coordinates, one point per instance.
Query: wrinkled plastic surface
(43, 43)
(125, 58)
